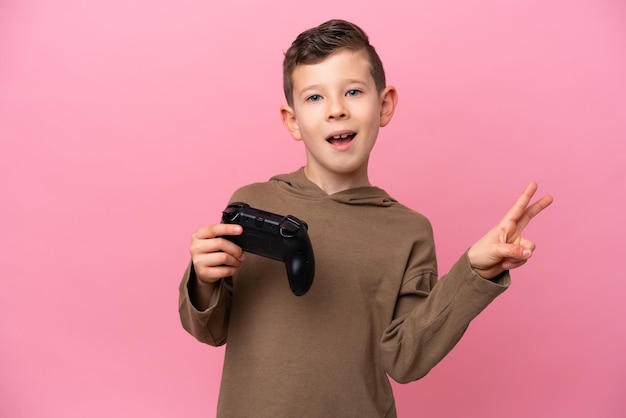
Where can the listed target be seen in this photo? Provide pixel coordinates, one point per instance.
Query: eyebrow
(311, 87)
(318, 86)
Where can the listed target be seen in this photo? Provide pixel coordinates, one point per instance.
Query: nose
(336, 109)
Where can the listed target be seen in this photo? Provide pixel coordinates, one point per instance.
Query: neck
(337, 182)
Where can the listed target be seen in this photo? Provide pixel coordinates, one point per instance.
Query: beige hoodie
(375, 308)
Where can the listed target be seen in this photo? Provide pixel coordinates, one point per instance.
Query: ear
(388, 103)
(288, 116)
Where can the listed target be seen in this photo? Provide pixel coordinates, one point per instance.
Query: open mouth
(342, 139)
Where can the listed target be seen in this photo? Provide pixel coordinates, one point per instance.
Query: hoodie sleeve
(431, 316)
(209, 326)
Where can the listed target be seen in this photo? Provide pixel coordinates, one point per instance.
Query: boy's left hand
(503, 247)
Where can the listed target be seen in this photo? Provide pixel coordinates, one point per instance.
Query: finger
(213, 266)
(217, 230)
(519, 207)
(513, 264)
(528, 244)
(201, 247)
(521, 213)
(217, 259)
(534, 209)
(212, 274)
(506, 251)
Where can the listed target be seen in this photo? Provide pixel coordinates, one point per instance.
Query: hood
(298, 184)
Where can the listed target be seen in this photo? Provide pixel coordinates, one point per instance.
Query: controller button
(289, 229)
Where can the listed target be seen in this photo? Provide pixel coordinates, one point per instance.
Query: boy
(375, 307)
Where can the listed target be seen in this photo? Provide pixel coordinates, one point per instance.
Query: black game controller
(282, 238)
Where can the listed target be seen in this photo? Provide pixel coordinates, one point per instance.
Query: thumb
(513, 251)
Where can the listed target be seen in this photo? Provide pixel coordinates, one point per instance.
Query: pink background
(125, 125)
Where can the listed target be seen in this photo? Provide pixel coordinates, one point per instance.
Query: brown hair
(316, 44)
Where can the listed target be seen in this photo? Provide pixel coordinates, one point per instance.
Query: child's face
(337, 112)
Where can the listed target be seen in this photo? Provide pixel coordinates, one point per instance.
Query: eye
(314, 98)
(353, 93)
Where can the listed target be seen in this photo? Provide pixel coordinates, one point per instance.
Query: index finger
(519, 207)
(534, 209)
(218, 230)
(521, 213)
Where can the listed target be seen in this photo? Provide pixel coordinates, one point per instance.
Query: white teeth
(341, 136)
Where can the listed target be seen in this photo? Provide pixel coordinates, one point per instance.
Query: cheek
(307, 121)
(369, 113)
(371, 121)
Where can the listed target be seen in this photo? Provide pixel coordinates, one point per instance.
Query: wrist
(199, 291)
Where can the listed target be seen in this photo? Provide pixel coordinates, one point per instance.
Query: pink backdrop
(125, 125)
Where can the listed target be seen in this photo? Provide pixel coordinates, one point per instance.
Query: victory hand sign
(503, 247)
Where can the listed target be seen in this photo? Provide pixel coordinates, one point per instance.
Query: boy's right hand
(214, 257)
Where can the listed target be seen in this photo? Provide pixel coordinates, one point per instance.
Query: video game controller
(282, 238)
